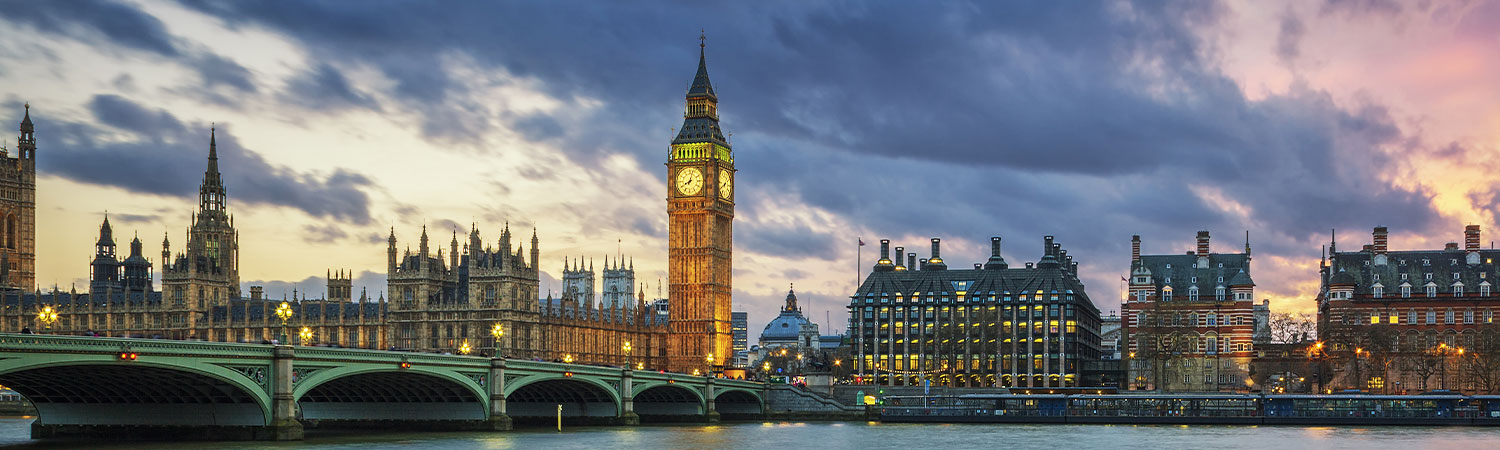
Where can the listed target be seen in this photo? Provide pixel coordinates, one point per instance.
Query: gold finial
(702, 37)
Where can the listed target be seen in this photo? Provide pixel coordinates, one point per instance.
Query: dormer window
(1221, 278)
(1455, 275)
(1431, 290)
(1453, 262)
(1375, 277)
(1429, 276)
(1193, 294)
(1403, 262)
(1403, 277)
(1195, 279)
(1166, 294)
(1405, 291)
(1458, 289)
(1426, 262)
(1221, 265)
(1169, 265)
(1377, 291)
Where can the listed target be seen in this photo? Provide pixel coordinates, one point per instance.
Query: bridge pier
(627, 398)
(284, 425)
(499, 420)
(712, 415)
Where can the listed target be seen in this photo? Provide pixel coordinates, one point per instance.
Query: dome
(788, 325)
(784, 327)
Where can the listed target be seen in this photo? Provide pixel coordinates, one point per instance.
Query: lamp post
(497, 332)
(306, 335)
(626, 348)
(283, 312)
(464, 348)
(47, 316)
(1443, 350)
(709, 359)
(1316, 355)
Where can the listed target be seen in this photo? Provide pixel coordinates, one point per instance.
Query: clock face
(726, 184)
(689, 181)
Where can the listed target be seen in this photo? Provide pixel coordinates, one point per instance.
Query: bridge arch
(659, 401)
(581, 397)
(362, 394)
(739, 402)
(85, 392)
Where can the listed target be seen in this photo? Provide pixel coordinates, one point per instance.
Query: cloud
(325, 88)
(151, 151)
(116, 24)
(322, 234)
(1289, 37)
(108, 22)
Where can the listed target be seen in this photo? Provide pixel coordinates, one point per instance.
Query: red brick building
(1410, 320)
(1189, 321)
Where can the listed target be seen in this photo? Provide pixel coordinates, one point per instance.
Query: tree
(1482, 362)
(1423, 364)
(1288, 328)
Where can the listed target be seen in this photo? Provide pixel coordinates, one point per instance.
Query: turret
(26, 143)
(453, 252)
(422, 251)
(390, 253)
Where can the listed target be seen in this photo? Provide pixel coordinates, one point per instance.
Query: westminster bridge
(110, 386)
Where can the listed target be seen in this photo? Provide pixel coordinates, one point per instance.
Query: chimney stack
(885, 251)
(899, 251)
(1135, 248)
(995, 245)
(1471, 237)
(1203, 243)
(1451, 246)
(922, 264)
(936, 251)
(1380, 241)
(911, 261)
(1047, 245)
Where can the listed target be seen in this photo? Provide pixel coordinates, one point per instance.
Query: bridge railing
(87, 344)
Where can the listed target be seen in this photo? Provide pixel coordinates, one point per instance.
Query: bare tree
(1423, 364)
(1482, 362)
(1288, 328)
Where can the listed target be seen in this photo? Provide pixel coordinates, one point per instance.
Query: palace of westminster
(478, 297)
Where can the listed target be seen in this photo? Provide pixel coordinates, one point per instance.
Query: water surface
(14, 433)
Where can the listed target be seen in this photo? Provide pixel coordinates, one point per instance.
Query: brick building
(1189, 322)
(1410, 320)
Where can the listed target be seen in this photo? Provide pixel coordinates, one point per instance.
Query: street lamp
(497, 332)
(710, 360)
(626, 348)
(306, 334)
(464, 348)
(568, 359)
(47, 316)
(283, 312)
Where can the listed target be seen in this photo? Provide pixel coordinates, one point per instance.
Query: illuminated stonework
(700, 241)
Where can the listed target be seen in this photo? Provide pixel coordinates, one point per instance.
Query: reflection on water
(14, 432)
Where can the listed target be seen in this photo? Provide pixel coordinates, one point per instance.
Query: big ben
(700, 209)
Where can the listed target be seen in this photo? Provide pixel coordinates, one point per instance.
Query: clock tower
(700, 210)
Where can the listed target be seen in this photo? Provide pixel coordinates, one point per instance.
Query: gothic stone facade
(18, 211)
(440, 303)
(700, 210)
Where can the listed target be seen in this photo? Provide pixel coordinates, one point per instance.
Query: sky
(1090, 121)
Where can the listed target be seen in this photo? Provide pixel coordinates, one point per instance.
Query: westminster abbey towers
(700, 209)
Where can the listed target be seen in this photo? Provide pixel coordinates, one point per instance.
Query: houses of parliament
(471, 296)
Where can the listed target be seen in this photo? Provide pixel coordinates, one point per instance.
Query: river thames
(857, 435)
